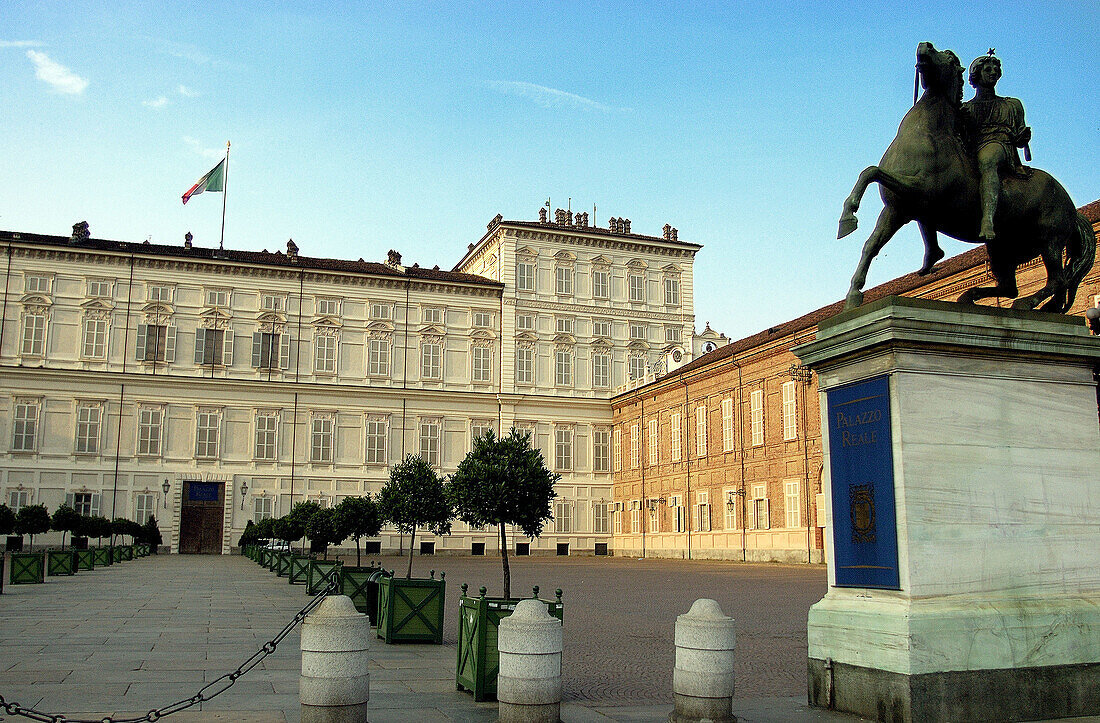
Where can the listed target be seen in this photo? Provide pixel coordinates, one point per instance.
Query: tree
(415, 497)
(504, 482)
(265, 529)
(248, 537)
(298, 518)
(120, 527)
(358, 517)
(7, 520)
(323, 528)
(32, 520)
(150, 534)
(98, 527)
(65, 519)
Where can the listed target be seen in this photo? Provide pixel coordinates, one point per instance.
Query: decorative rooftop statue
(953, 168)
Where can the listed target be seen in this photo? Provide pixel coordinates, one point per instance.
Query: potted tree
(358, 517)
(120, 528)
(502, 481)
(63, 562)
(30, 567)
(100, 527)
(7, 526)
(83, 556)
(265, 534)
(299, 516)
(151, 535)
(323, 529)
(411, 610)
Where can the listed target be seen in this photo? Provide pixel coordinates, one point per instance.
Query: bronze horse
(929, 174)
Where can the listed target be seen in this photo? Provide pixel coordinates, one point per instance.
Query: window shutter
(70, 500)
(227, 348)
(257, 347)
(170, 345)
(95, 505)
(141, 332)
(200, 346)
(767, 515)
(284, 351)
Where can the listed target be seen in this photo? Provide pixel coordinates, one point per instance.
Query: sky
(360, 127)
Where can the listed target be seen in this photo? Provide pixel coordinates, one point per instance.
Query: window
(160, 293)
(99, 288)
(637, 367)
(635, 446)
(525, 365)
(145, 506)
(267, 424)
(676, 423)
(563, 449)
(636, 516)
(150, 429)
(617, 451)
(34, 333)
(730, 520)
(601, 450)
(430, 440)
(481, 363)
(272, 302)
(376, 441)
(727, 424)
(792, 496)
(85, 503)
(672, 334)
(672, 291)
(761, 518)
(37, 285)
(525, 276)
(263, 508)
(563, 280)
(482, 319)
(218, 297)
(651, 443)
(94, 344)
(378, 358)
(563, 367)
(88, 418)
(702, 511)
(564, 325)
(432, 315)
(617, 516)
(525, 322)
(639, 331)
(790, 411)
(563, 517)
(601, 370)
(328, 307)
(25, 425)
(601, 284)
(601, 328)
(680, 513)
(756, 411)
(322, 433)
(431, 360)
(18, 499)
(380, 312)
(479, 429)
(601, 518)
(637, 287)
(270, 350)
(324, 352)
(701, 431)
(213, 347)
(156, 343)
(654, 515)
(208, 422)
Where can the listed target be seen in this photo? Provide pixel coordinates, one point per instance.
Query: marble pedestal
(993, 445)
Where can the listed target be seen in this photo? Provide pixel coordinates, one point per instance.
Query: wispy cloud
(187, 92)
(20, 44)
(157, 103)
(183, 51)
(549, 97)
(56, 75)
(195, 145)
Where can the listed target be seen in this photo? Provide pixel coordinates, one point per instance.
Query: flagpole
(225, 192)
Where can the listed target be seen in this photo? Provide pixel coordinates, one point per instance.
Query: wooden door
(201, 518)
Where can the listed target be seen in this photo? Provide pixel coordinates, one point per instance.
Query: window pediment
(380, 326)
(36, 300)
(483, 334)
(568, 339)
(565, 256)
(638, 346)
(432, 330)
(527, 336)
(637, 264)
(330, 322)
(92, 305)
(271, 317)
(601, 262)
(671, 269)
(601, 345)
(527, 252)
(215, 315)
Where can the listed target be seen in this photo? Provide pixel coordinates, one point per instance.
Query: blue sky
(361, 127)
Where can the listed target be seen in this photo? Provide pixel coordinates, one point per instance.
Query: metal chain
(219, 686)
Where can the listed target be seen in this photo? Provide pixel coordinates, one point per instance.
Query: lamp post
(731, 500)
(166, 487)
(244, 491)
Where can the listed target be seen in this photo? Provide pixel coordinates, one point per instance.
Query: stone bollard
(335, 684)
(702, 682)
(529, 682)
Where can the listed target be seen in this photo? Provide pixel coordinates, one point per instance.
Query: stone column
(702, 682)
(529, 683)
(335, 684)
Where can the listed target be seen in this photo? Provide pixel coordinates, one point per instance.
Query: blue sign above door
(861, 464)
(203, 491)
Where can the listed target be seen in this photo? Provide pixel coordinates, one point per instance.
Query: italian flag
(212, 181)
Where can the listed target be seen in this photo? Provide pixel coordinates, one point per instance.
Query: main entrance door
(201, 518)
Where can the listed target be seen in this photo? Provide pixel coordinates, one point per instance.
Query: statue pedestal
(962, 448)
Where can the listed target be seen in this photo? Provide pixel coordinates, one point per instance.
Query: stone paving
(146, 633)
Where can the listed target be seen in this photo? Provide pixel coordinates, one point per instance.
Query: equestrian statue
(954, 169)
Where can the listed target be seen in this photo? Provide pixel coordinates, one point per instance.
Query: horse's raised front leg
(848, 220)
(889, 221)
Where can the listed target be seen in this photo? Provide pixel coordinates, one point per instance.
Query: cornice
(601, 311)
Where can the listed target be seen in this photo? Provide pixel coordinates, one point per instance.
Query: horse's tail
(1080, 255)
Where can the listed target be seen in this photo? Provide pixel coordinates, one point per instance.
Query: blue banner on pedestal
(861, 463)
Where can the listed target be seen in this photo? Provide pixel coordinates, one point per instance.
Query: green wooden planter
(103, 556)
(116, 554)
(478, 658)
(141, 551)
(282, 565)
(265, 558)
(85, 559)
(127, 553)
(60, 562)
(411, 611)
(27, 568)
(299, 569)
(319, 574)
(361, 585)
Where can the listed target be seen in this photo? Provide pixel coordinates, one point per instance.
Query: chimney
(291, 249)
(80, 232)
(393, 260)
